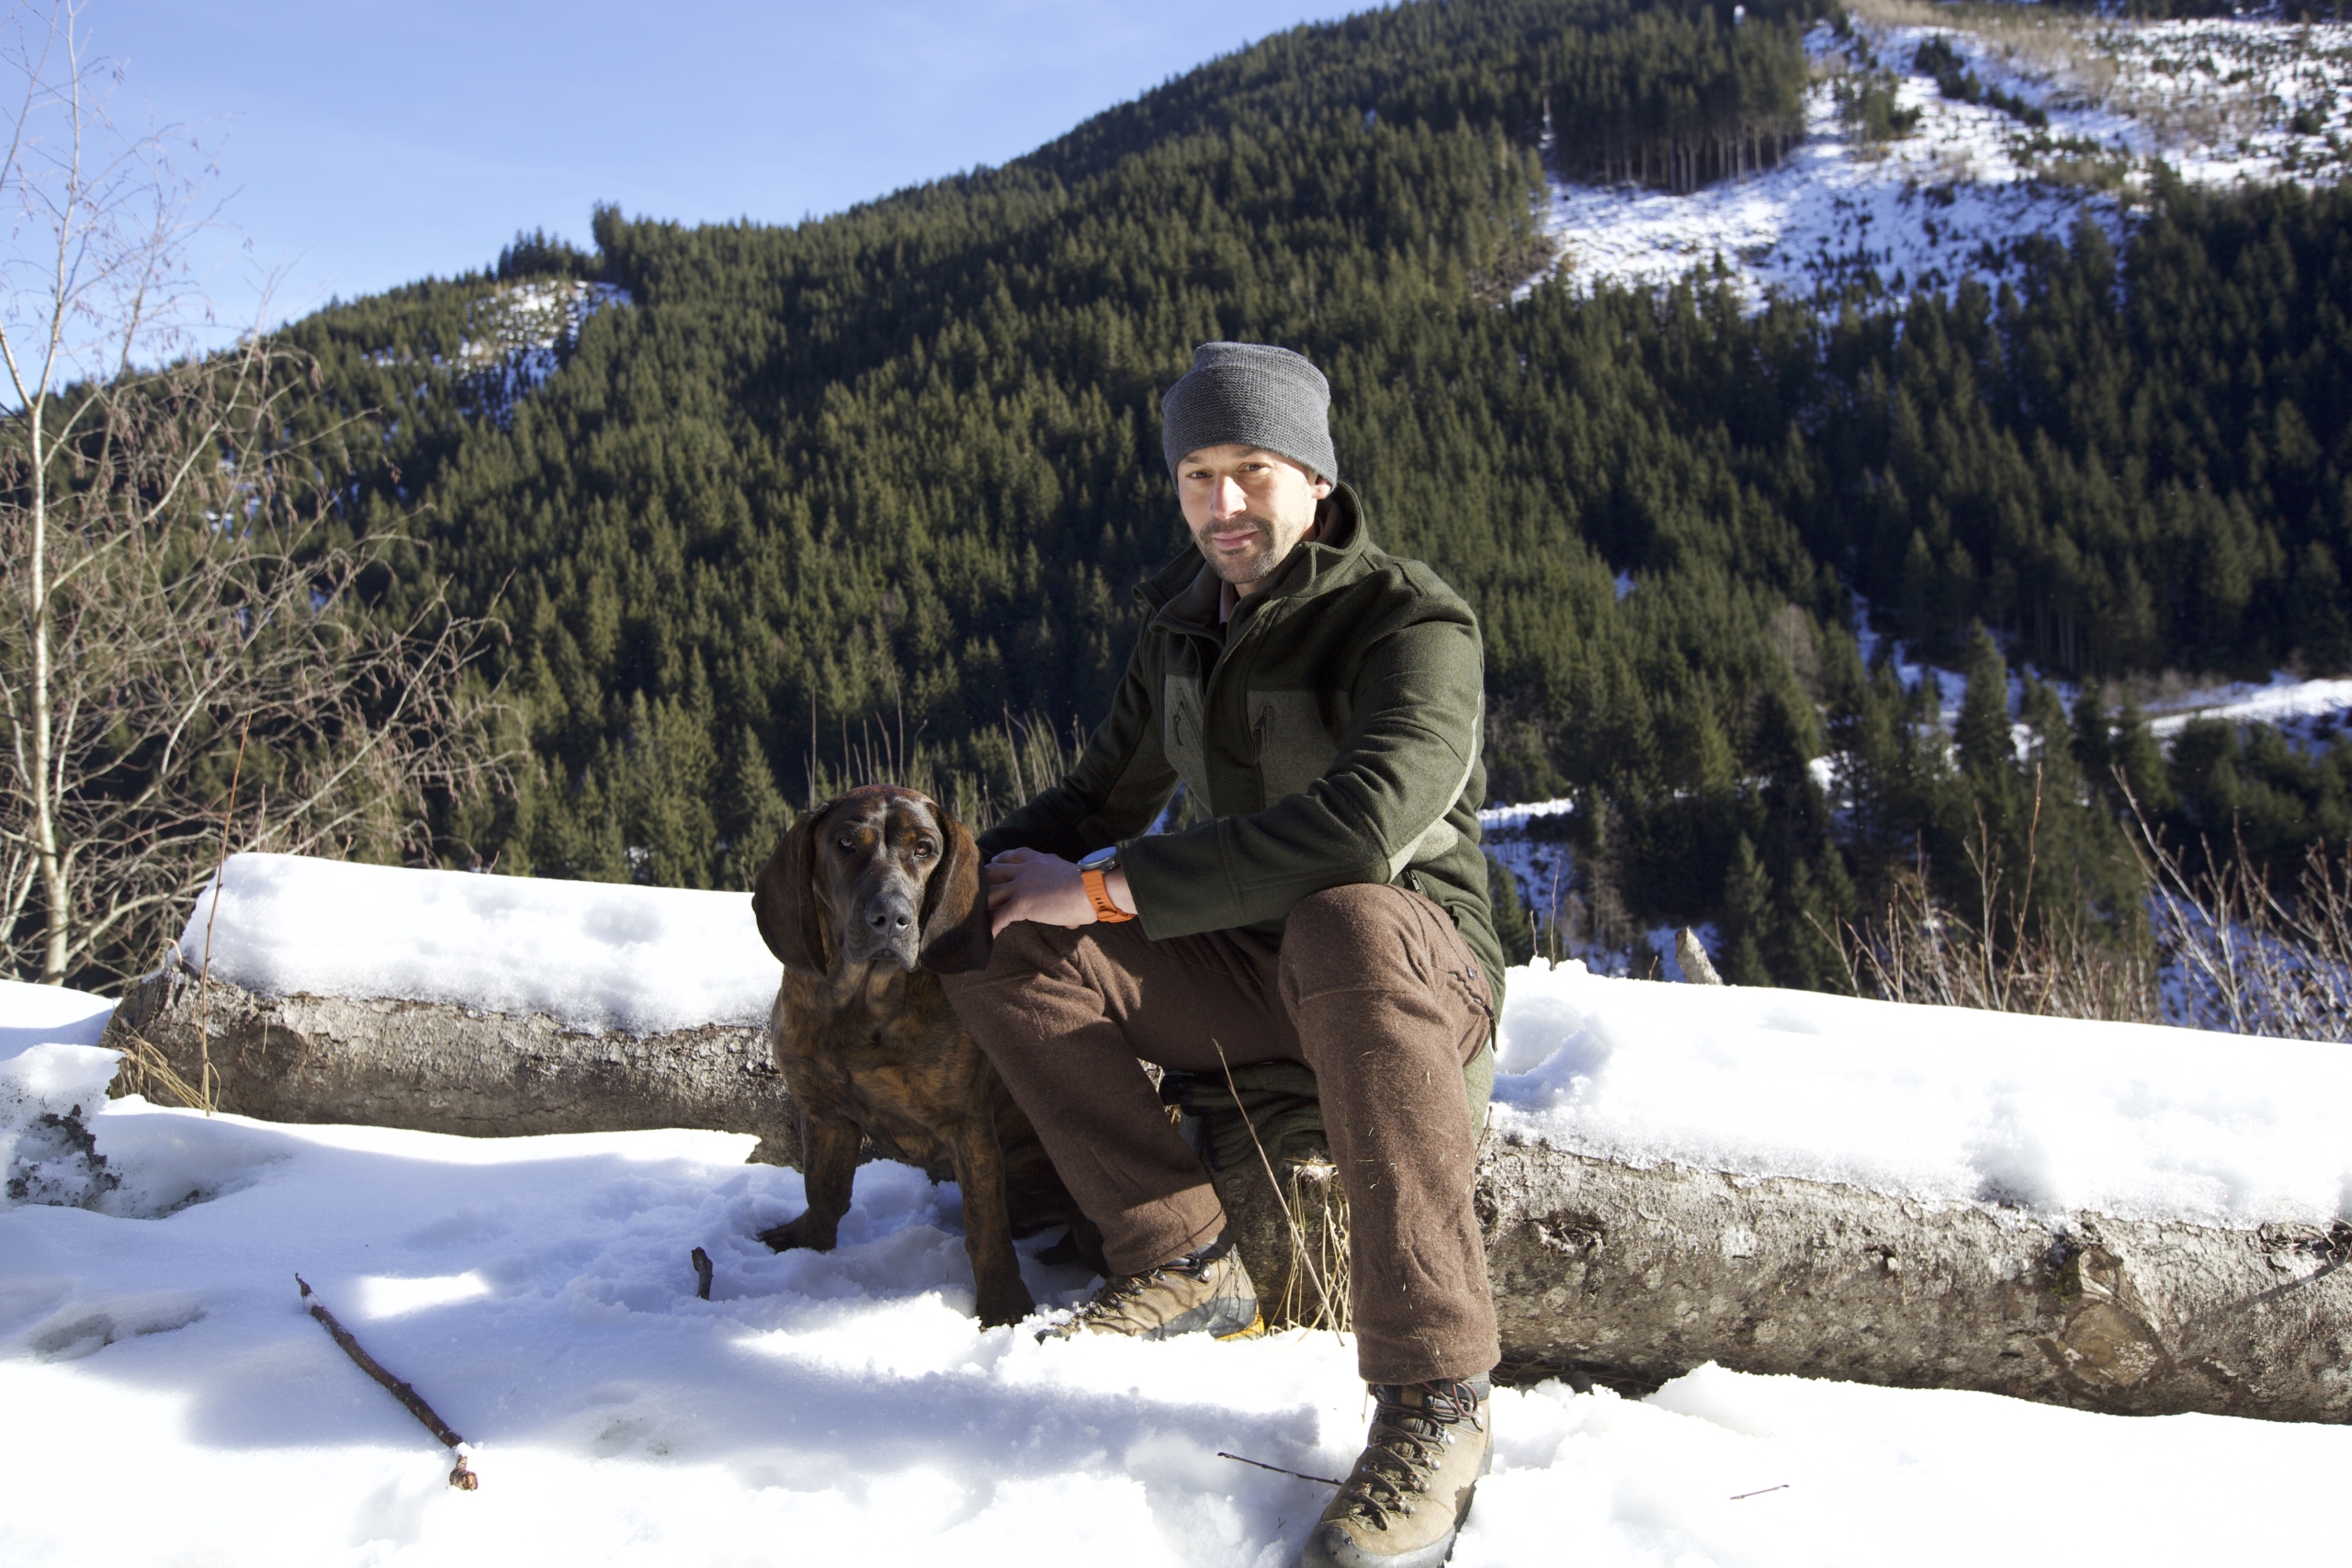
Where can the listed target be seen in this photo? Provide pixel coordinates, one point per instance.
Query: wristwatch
(1091, 871)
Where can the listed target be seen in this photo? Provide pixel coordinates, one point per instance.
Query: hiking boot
(1207, 1291)
(1410, 1489)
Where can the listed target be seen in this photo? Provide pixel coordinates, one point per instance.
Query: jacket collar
(1183, 593)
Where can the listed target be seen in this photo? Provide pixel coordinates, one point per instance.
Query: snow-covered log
(2110, 1216)
(2115, 1217)
(1603, 1270)
(448, 1002)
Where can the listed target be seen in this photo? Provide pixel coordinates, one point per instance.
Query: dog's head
(880, 873)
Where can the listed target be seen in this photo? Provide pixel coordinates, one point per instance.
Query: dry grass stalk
(2246, 959)
(2230, 951)
(1319, 1227)
(146, 1070)
(1026, 754)
(1333, 1313)
(1923, 950)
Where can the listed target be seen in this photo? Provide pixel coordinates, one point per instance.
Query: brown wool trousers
(1371, 987)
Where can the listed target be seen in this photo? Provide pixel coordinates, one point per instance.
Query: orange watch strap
(1098, 892)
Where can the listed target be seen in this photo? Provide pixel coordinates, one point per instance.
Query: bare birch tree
(186, 658)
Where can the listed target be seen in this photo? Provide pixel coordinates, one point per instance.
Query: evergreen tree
(1981, 734)
(1747, 906)
(1514, 926)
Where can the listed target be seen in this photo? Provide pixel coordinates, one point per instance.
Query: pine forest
(866, 496)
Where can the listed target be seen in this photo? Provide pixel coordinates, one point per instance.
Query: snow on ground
(30, 1015)
(1530, 843)
(2309, 710)
(2226, 99)
(2218, 100)
(2299, 707)
(1504, 819)
(171, 1404)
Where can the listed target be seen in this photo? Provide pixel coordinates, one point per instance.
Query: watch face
(1100, 860)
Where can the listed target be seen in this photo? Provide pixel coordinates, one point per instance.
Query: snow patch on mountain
(2218, 101)
(2308, 711)
(518, 330)
(516, 335)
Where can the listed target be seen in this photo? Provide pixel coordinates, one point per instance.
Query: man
(1321, 702)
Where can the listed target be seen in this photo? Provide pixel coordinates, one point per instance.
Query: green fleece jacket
(1330, 730)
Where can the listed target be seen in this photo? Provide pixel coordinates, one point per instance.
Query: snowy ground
(846, 1408)
(171, 1404)
(2306, 710)
(2217, 100)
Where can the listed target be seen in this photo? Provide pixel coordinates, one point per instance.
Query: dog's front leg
(988, 1231)
(829, 1165)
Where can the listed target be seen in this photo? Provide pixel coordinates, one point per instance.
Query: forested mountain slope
(899, 467)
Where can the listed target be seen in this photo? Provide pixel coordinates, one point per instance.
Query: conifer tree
(1513, 927)
(1747, 901)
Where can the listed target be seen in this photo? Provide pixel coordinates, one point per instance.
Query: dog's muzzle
(889, 924)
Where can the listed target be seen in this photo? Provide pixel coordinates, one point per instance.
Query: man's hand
(1024, 885)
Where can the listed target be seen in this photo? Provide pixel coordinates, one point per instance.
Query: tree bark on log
(434, 1068)
(1603, 1272)
(1629, 1276)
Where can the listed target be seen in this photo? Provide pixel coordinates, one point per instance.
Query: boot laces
(1407, 1445)
(1112, 1299)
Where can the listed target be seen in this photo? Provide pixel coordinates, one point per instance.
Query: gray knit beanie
(1250, 394)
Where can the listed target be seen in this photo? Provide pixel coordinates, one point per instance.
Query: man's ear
(955, 904)
(785, 901)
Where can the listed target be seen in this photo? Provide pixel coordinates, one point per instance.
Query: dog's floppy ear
(783, 900)
(954, 903)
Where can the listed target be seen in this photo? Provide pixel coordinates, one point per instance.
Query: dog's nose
(887, 917)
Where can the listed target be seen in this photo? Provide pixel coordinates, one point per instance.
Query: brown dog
(868, 899)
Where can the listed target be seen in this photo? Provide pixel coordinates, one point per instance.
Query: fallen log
(1604, 1271)
(435, 1068)
(1628, 1276)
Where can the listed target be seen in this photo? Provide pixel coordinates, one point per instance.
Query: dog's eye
(846, 843)
(925, 847)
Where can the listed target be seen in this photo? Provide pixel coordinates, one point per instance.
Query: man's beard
(1251, 568)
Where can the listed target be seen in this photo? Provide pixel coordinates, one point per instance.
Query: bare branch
(172, 577)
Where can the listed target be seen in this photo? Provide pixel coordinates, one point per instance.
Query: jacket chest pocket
(1180, 736)
(1294, 747)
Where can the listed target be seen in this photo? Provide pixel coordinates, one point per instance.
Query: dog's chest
(901, 1063)
(843, 1056)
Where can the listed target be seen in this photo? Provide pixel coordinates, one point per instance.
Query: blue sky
(361, 144)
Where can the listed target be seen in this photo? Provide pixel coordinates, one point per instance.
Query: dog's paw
(1004, 1307)
(798, 1233)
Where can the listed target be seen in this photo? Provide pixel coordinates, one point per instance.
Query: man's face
(1247, 509)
